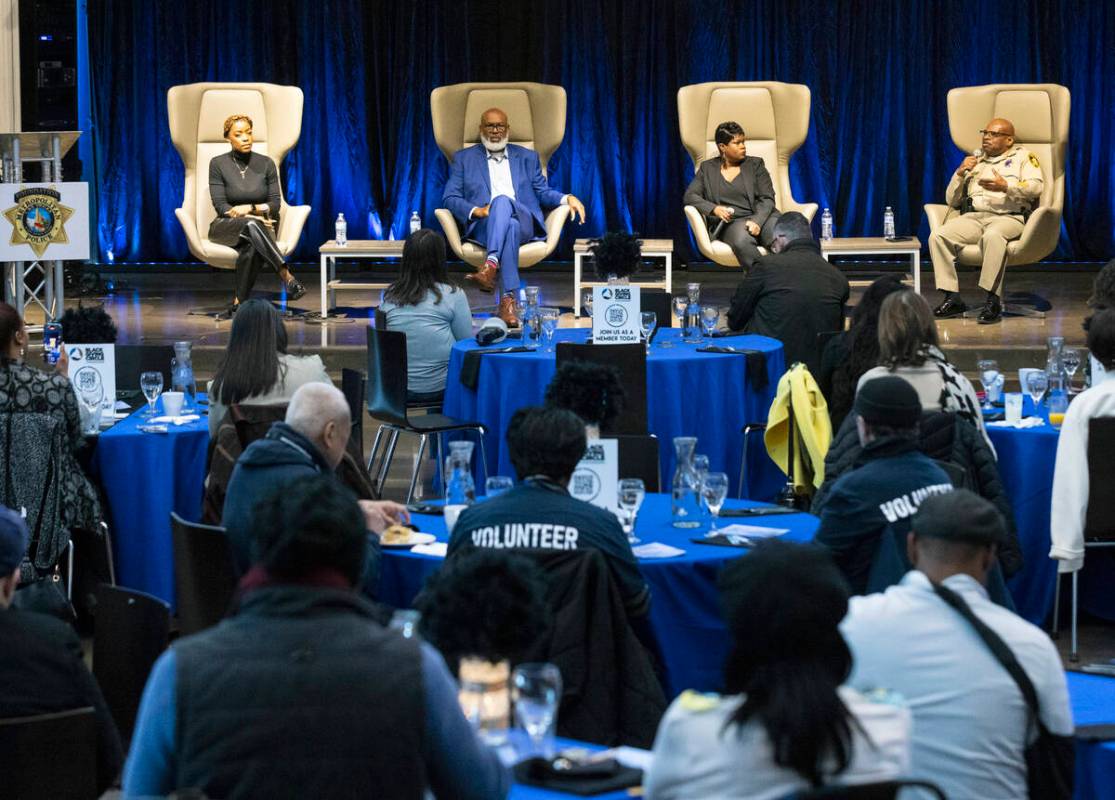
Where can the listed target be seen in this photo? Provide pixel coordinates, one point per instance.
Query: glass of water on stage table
(536, 694)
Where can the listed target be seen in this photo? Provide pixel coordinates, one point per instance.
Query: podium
(41, 224)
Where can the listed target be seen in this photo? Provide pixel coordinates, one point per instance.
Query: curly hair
(616, 253)
(594, 392)
(233, 120)
(489, 604)
(1103, 290)
(543, 440)
(87, 325)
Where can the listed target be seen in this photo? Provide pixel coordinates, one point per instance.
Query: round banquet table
(685, 606)
(1027, 457)
(706, 395)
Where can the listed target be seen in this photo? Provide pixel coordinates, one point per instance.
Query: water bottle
(531, 319)
(415, 222)
(826, 226)
(888, 223)
(692, 311)
(1054, 360)
(340, 235)
(460, 490)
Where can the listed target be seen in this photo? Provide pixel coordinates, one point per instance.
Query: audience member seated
(909, 348)
(792, 294)
(786, 724)
(301, 693)
(256, 368)
(545, 446)
(1071, 481)
(874, 502)
(971, 723)
(309, 443)
(41, 669)
(616, 255)
(594, 392)
(1103, 298)
(431, 311)
(87, 325)
(27, 394)
(851, 353)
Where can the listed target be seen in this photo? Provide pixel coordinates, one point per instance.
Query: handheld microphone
(978, 154)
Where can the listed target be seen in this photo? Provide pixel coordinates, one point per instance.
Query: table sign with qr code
(93, 372)
(615, 315)
(596, 478)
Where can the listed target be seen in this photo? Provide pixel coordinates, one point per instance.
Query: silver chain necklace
(243, 172)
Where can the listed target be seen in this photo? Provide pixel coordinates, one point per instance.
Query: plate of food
(402, 536)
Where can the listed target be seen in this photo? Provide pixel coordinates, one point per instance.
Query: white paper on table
(438, 549)
(657, 550)
(121, 406)
(634, 757)
(1025, 422)
(752, 531)
(179, 420)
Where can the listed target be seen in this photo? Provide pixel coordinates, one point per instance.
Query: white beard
(494, 147)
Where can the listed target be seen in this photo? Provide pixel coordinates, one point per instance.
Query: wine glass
(648, 321)
(710, 315)
(681, 303)
(536, 693)
(549, 318)
(497, 485)
(1036, 384)
(714, 490)
(988, 375)
(1071, 359)
(90, 412)
(152, 385)
(630, 495)
(586, 302)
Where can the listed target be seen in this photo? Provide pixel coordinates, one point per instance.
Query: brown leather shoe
(507, 311)
(485, 277)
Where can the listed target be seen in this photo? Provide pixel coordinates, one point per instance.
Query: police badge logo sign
(38, 219)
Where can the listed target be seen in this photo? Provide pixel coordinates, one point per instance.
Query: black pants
(743, 244)
(255, 245)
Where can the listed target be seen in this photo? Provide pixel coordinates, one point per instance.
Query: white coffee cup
(451, 514)
(1012, 407)
(172, 403)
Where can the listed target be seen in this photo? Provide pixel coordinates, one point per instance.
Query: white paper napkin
(1025, 422)
(751, 531)
(179, 420)
(438, 549)
(657, 550)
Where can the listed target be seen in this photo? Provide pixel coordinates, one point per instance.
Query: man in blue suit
(497, 191)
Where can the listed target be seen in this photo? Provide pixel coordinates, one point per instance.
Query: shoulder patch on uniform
(1034, 161)
(698, 701)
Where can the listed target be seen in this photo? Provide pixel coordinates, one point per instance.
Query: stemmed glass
(631, 494)
(549, 317)
(586, 302)
(1071, 359)
(152, 385)
(648, 321)
(90, 412)
(701, 465)
(1036, 384)
(681, 303)
(710, 316)
(714, 490)
(988, 376)
(536, 693)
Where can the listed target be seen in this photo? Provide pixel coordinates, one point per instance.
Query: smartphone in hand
(52, 342)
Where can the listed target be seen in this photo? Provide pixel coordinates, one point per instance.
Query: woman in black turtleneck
(244, 187)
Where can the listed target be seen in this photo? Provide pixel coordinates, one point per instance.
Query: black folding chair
(353, 387)
(631, 361)
(131, 630)
(49, 756)
(638, 458)
(204, 573)
(387, 395)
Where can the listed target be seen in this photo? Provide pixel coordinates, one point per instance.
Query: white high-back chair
(197, 112)
(536, 112)
(1040, 115)
(775, 117)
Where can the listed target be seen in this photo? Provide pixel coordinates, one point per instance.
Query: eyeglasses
(494, 126)
(993, 133)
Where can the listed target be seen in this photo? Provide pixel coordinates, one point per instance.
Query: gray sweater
(431, 328)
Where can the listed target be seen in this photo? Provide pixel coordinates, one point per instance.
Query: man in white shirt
(1070, 476)
(971, 723)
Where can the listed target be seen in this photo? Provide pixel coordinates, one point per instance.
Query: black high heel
(294, 289)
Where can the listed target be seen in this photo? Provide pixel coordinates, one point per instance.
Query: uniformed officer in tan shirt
(989, 198)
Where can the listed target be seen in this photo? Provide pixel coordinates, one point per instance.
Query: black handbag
(46, 596)
(1051, 759)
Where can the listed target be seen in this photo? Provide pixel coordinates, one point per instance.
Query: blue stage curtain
(878, 72)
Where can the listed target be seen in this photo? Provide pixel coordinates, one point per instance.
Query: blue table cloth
(1026, 461)
(146, 476)
(706, 395)
(685, 606)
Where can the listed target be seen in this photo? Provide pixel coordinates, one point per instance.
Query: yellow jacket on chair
(798, 391)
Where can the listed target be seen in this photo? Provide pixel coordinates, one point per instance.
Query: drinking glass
(631, 494)
(710, 315)
(648, 321)
(586, 302)
(714, 490)
(497, 485)
(549, 317)
(701, 464)
(152, 385)
(988, 375)
(681, 302)
(1036, 384)
(1071, 359)
(536, 693)
(90, 412)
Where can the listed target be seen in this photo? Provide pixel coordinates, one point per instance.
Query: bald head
(494, 128)
(319, 411)
(998, 136)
